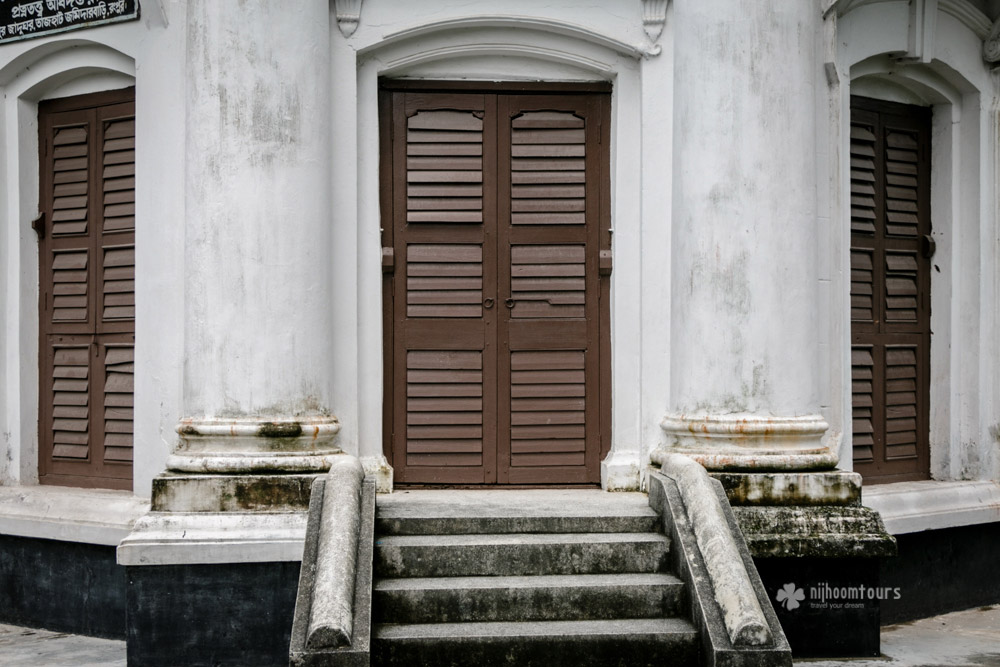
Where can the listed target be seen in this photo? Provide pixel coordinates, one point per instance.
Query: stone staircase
(525, 578)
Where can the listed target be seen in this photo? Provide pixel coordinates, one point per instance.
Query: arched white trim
(48, 57)
(961, 174)
(963, 10)
(485, 48)
(31, 76)
(521, 24)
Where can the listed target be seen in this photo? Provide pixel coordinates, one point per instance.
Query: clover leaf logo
(790, 596)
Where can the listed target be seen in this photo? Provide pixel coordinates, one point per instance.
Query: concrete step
(634, 642)
(520, 554)
(453, 512)
(535, 598)
(386, 523)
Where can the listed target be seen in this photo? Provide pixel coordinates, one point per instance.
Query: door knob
(509, 303)
(487, 303)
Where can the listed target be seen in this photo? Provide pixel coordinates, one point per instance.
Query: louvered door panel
(862, 285)
(444, 280)
(444, 397)
(118, 175)
(444, 408)
(548, 281)
(119, 385)
(118, 283)
(863, 402)
(901, 287)
(863, 178)
(70, 180)
(548, 408)
(70, 402)
(890, 289)
(901, 183)
(549, 217)
(548, 178)
(87, 293)
(902, 402)
(444, 167)
(70, 286)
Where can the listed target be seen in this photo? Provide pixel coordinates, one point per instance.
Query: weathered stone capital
(750, 442)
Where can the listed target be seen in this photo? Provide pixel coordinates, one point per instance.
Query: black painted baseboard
(939, 571)
(62, 586)
(227, 614)
(828, 607)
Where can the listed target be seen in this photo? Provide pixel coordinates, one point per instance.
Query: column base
(255, 445)
(620, 471)
(746, 442)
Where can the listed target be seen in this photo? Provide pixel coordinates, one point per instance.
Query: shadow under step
(511, 555)
(608, 643)
(528, 598)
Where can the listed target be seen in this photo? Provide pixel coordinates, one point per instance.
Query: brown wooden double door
(890, 289)
(86, 289)
(495, 212)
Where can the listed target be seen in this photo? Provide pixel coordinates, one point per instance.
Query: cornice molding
(348, 13)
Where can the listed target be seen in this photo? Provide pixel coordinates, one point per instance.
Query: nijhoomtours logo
(790, 596)
(825, 596)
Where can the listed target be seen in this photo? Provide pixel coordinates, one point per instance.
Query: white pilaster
(257, 272)
(744, 284)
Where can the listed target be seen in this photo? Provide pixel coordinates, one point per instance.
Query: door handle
(509, 303)
(487, 303)
(927, 246)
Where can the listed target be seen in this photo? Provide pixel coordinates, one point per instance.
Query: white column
(258, 319)
(744, 350)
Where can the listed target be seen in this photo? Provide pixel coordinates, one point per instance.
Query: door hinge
(38, 224)
(388, 260)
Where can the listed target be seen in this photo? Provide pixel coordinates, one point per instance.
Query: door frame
(602, 260)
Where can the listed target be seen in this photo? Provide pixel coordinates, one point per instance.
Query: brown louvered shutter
(890, 289)
(444, 394)
(549, 190)
(494, 204)
(87, 292)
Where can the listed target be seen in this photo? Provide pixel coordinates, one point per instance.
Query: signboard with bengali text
(24, 19)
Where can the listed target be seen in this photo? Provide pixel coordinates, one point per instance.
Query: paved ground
(962, 639)
(24, 647)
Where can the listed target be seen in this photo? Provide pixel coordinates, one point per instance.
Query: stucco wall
(196, 345)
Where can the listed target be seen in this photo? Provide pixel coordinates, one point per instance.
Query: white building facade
(723, 244)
